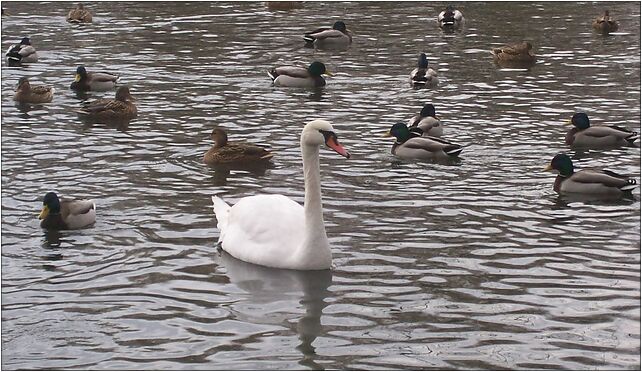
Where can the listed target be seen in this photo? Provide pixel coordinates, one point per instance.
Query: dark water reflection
(467, 265)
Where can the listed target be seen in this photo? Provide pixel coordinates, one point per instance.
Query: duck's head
(339, 25)
(450, 8)
(122, 94)
(580, 120)
(50, 205)
(320, 132)
(81, 73)
(399, 131)
(561, 163)
(80, 6)
(219, 137)
(23, 83)
(427, 110)
(606, 13)
(317, 69)
(423, 61)
(25, 41)
(529, 46)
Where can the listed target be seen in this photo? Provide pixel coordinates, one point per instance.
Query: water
(472, 265)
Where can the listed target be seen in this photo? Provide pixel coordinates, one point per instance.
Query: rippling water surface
(472, 265)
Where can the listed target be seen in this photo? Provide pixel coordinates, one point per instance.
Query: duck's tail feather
(453, 150)
(272, 74)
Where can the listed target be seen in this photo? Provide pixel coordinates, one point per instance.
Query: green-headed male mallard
(224, 152)
(96, 81)
(450, 19)
(336, 37)
(427, 121)
(27, 93)
(64, 214)
(79, 14)
(598, 137)
(595, 182)
(20, 53)
(605, 24)
(411, 145)
(422, 75)
(518, 55)
(291, 76)
(120, 108)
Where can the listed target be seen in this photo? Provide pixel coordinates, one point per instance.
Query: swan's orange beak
(333, 143)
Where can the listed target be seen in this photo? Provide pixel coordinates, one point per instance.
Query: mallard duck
(64, 214)
(120, 108)
(602, 182)
(605, 24)
(584, 135)
(515, 54)
(97, 81)
(411, 145)
(336, 37)
(26, 93)
(79, 14)
(291, 76)
(224, 152)
(20, 53)
(427, 121)
(423, 75)
(450, 19)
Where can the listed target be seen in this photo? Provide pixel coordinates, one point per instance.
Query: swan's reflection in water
(266, 285)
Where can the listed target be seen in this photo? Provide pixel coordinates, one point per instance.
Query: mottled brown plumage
(27, 93)
(514, 54)
(120, 108)
(224, 152)
(605, 24)
(79, 14)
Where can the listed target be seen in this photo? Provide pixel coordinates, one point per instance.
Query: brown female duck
(224, 152)
(605, 24)
(26, 93)
(79, 14)
(520, 54)
(120, 108)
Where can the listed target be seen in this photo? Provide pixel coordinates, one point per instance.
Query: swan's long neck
(315, 249)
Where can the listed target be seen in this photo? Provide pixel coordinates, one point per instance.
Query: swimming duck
(97, 81)
(336, 37)
(411, 145)
(291, 76)
(79, 14)
(515, 54)
(599, 182)
(584, 135)
(64, 214)
(224, 152)
(605, 24)
(120, 108)
(450, 19)
(274, 230)
(427, 121)
(423, 76)
(26, 93)
(20, 53)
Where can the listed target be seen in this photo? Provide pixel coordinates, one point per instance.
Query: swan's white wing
(263, 229)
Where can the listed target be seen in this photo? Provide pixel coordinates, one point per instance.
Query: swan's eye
(328, 135)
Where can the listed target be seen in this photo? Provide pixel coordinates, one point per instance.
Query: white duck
(276, 231)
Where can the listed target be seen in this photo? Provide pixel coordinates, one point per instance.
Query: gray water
(476, 264)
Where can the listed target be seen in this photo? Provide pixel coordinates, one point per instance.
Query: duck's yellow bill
(569, 122)
(387, 134)
(328, 73)
(548, 168)
(77, 78)
(43, 214)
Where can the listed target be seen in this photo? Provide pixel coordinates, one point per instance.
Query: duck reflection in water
(266, 285)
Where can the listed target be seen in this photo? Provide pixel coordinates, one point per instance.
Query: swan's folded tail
(222, 211)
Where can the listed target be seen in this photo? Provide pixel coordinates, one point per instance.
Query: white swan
(276, 231)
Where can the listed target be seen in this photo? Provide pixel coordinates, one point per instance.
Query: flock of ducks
(273, 230)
